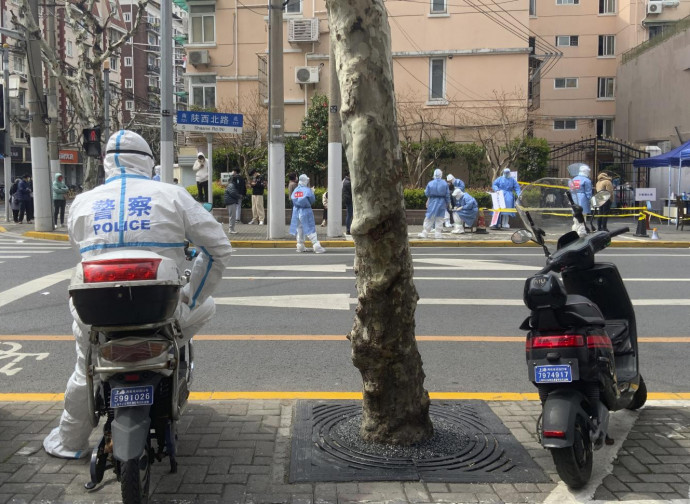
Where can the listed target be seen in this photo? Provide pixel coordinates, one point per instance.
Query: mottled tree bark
(396, 405)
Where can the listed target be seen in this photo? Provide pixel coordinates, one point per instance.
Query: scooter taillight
(599, 342)
(120, 270)
(554, 433)
(559, 341)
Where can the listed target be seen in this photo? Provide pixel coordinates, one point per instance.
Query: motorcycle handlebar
(620, 231)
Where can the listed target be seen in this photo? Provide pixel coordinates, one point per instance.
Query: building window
(293, 7)
(153, 81)
(19, 63)
(567, 40)
(437, 79)
(565, 124)
(127, 17)
(565, 82)
(129, 83)
(69, 49)
(203, 21)
(203, 88)
(532, 7)
(605, 87)
(605, 128)
(113, 63)
(567, 2)
(607, 45)
(129, 105)
(438, 6)
(656, 30)
(128, 61)
(607, 6)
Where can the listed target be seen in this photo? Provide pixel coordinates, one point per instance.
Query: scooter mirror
(521, 236)
(208, 207)
(600, 198)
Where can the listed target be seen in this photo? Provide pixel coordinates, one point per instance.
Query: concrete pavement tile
(24, 474)
(351, 498)
(346, 488)
(227, 478)
(455, 498)
(267, 498)
(231, 434)
(5, 498)
(52, 466)
(262, 461)
(176, 497)
(652, 446)
(613, 484)
(264, 449)
(660, 478)
(201, 488)
(23, 488)
(604, 495)
(685, 477)
(437, 487)
(674, 459)
(325, 492)
(21, 499)
(259, 436)
(195, 474)
(50, 493)
(233, 494)
(416, 491)
(681, 488)
(623, 474)
(302, 499)
(249, 469)
(168, 483)
(526, 487)
(212, 453)
(641, 454)
(240, 456)
(271, 421)
(546, 487)
(632, 464)
(470, 488)
(55, 478)
(393, 489)
(258, 483)
(668, 468)
(668, 497)
(220, 465)
(489, 498)
(650, 487)
(210, 440)
(637, 496)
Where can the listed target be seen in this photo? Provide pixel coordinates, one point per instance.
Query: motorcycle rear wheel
(135, 479)
(574, 463)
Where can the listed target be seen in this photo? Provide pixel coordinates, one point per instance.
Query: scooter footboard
(559, 414)
(130, 430)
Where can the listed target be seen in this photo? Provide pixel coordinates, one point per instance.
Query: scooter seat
(578, 311)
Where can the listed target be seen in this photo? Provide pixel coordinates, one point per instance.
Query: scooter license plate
(560, 373)
(122, 397)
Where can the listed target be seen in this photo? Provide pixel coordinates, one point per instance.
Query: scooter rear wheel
(574, 463)
(135, 479)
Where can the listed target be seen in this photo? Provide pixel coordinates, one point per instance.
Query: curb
(44, 235)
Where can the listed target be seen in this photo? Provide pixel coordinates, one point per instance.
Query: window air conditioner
(303, 30)
(655, 7)
(199, 57)
(306, 75)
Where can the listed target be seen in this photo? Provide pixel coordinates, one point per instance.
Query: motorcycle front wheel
(135, 479)
(574, 463)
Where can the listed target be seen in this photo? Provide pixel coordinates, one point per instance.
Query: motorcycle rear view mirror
(208, 207)
(600, 198)
(521, 236)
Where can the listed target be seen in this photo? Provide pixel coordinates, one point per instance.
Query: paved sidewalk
(239, 452)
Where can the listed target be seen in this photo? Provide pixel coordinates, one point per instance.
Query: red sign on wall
(69, 157)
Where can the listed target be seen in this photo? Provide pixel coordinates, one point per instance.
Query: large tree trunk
(396, 405)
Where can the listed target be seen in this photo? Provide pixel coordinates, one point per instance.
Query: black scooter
(581, 347)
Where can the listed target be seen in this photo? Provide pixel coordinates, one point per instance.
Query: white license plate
(121, 397)
(559, 373)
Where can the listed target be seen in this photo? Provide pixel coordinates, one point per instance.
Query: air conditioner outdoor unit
(655, 7)
(199, 57)
(303, 30)
(306, 75)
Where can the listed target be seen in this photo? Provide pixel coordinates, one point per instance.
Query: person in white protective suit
(157, 173)
(131, 211)
(302, 222)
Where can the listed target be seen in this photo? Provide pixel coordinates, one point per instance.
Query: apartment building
(578, 93)
(449, 58)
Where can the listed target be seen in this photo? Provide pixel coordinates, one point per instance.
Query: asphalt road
(270, 300)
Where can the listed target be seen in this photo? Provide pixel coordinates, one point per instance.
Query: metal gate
(604, 154)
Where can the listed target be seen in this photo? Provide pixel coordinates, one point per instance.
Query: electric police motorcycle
(581, 345)
(138, 371)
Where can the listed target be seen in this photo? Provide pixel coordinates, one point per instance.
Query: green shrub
(218, 193)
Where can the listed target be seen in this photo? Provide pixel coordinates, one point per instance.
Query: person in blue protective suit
(157, 173)
(456, 182)
(465, 210)
(131, 212)
(510, 188)
(303, 217)
(581, 189)
(438, 200)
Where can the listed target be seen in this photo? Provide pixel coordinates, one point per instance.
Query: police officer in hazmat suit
(302, 222)
(438, 200)
(131, 211)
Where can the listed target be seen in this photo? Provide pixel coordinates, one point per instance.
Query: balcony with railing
(153, 26)
(669, 31)
(155, 69)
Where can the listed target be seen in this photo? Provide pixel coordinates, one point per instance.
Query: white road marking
(320, 268)
(16, 357)
(33, 286)
(12, 257)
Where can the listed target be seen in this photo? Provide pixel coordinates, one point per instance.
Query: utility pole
(52, 100)
(106, 102)
(335, 154)
(40, 169)
(167, 154)
(276, 119)
(8, 136)
(209, 163)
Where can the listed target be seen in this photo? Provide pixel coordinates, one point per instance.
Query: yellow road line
(330, 337)
(277, 395)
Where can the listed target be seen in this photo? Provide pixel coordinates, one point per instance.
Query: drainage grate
(482, 448)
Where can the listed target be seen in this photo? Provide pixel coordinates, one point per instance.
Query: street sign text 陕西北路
(209, 122)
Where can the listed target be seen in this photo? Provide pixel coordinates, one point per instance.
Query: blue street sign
(209, 122)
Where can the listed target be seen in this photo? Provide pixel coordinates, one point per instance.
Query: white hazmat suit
(131, 211)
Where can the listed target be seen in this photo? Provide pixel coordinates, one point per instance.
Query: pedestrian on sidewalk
(59, 203)
(14, 202)
(509, 187)
(581, 189)
(303, 216)
(465, 210)
(347, 201)
(201, 169)
(232, 200)
(25, 196)
(604, 184)
(258, 187)
(157, 173)
(438, 200)
(241, 186)
(324, 200)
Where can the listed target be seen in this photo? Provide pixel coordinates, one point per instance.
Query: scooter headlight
(134, 350)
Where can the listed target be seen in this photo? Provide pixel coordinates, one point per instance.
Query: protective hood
(157, 169)
(57, 176)
(604, 176)
(458, 193)
(450, 177)
(584, 170)
(438, 173)
(506, 172)
(127, 153)
(303, 180)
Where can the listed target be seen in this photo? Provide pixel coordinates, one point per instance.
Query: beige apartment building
(451, 61)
